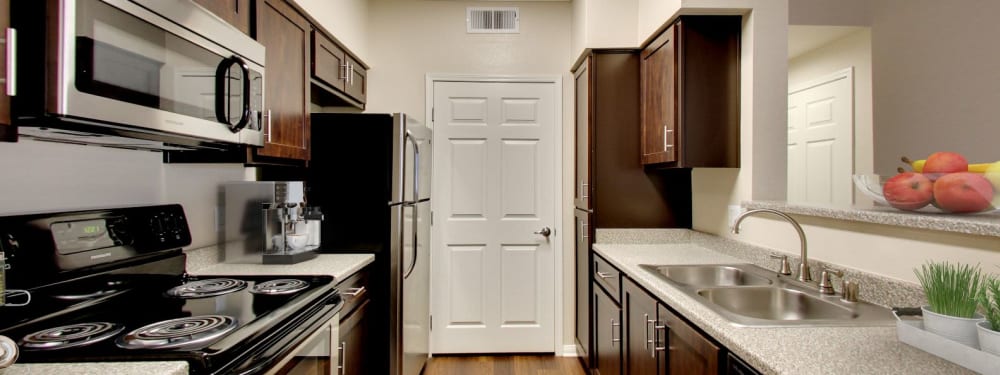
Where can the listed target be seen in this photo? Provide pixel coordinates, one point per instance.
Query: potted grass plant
(989, 330)
(953, 295)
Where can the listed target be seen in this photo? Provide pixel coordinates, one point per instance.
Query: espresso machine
(269, 218)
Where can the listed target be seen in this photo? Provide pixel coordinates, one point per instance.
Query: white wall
(347, 20)
(42, 176)
(852, 50)
(409, 39)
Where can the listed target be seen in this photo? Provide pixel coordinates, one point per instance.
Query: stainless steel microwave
(120, 72)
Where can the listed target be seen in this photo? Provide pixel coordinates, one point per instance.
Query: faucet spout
(804, 273)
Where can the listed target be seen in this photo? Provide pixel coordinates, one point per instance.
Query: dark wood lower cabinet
(641, 356)
(688, 353)
(584, 296)
(736, 366)
(607, 334)
(353, 341)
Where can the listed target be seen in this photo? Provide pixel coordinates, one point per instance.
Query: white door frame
(557, 140)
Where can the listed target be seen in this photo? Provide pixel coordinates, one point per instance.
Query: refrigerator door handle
(413, 259)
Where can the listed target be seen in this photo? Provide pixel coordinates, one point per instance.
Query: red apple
(908, 191)
(963, 192)
(943, 162)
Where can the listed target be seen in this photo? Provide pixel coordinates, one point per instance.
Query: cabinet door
(689, 353)
(658, 90)
(8, 133)
(357, 82)
(354, 343)
(329, 61)
(607, 334)
(235, 12)
(581, 192)
(583, 291)
(285, 35)
(640, 329)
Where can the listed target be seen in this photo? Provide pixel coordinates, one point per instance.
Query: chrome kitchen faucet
(804, 274)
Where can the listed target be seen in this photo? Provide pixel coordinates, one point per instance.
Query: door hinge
(431, 324)
(432, 115)
(432, 218)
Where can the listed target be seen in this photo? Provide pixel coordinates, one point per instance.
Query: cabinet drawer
(608, 277)
(329, 61)
(354, 291)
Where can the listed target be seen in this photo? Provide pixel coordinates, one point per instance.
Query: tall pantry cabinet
(612, 189)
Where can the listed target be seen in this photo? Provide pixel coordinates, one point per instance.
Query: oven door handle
(222, 97)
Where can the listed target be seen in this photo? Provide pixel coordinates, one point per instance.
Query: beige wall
(852, 50)
(409, 39)
(42, 176)
(604, 23)
(935, 65)
(347, 20)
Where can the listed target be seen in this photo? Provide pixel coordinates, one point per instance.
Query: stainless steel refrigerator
(371, 175)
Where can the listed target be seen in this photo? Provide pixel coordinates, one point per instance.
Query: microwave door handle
(222, 90)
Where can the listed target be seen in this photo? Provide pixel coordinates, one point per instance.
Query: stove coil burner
(207, 288)
(178, 333)
(279, 287)
(70, 336)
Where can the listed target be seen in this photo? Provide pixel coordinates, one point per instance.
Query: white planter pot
(958, 329)
(989, 340)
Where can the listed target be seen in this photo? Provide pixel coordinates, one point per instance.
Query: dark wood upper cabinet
(357, 85)
(690, 353)
(639, 309)
(340, 77)
(611, 181)
(329, 61)
(8, 132)
(286, 35)
(690, 94)
(238, 13)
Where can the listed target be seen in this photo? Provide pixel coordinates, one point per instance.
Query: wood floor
(503, 365)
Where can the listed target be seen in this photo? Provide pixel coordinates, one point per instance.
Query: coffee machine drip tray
(289, 257)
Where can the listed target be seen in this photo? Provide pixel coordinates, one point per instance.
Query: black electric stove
(110, 285)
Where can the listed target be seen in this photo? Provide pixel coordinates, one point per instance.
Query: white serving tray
(910, 330)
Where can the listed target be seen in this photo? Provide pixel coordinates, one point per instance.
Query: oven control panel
(47, 245)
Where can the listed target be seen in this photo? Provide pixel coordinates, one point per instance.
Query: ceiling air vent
(492, 20)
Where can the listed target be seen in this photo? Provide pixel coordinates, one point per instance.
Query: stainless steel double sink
(749, 295)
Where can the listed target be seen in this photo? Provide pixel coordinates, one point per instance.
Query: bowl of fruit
(945, 182)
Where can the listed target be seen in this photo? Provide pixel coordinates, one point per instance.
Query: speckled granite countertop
(117, 368)
(781, 350)
(982, 224)
(339, 266)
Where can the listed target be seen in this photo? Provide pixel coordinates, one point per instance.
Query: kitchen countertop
(339, 266)
(117, 368)
(774, 350)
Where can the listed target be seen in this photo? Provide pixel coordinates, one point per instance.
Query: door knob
(545, 231)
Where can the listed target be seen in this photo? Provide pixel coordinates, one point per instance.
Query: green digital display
(83, 235)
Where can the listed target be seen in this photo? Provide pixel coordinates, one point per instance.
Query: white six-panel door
(821, 140)
(492, 275)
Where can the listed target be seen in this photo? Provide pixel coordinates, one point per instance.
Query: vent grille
(492, 20)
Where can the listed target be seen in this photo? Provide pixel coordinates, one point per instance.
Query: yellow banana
(918, 165)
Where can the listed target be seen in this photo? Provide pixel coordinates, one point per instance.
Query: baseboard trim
(568, 351)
